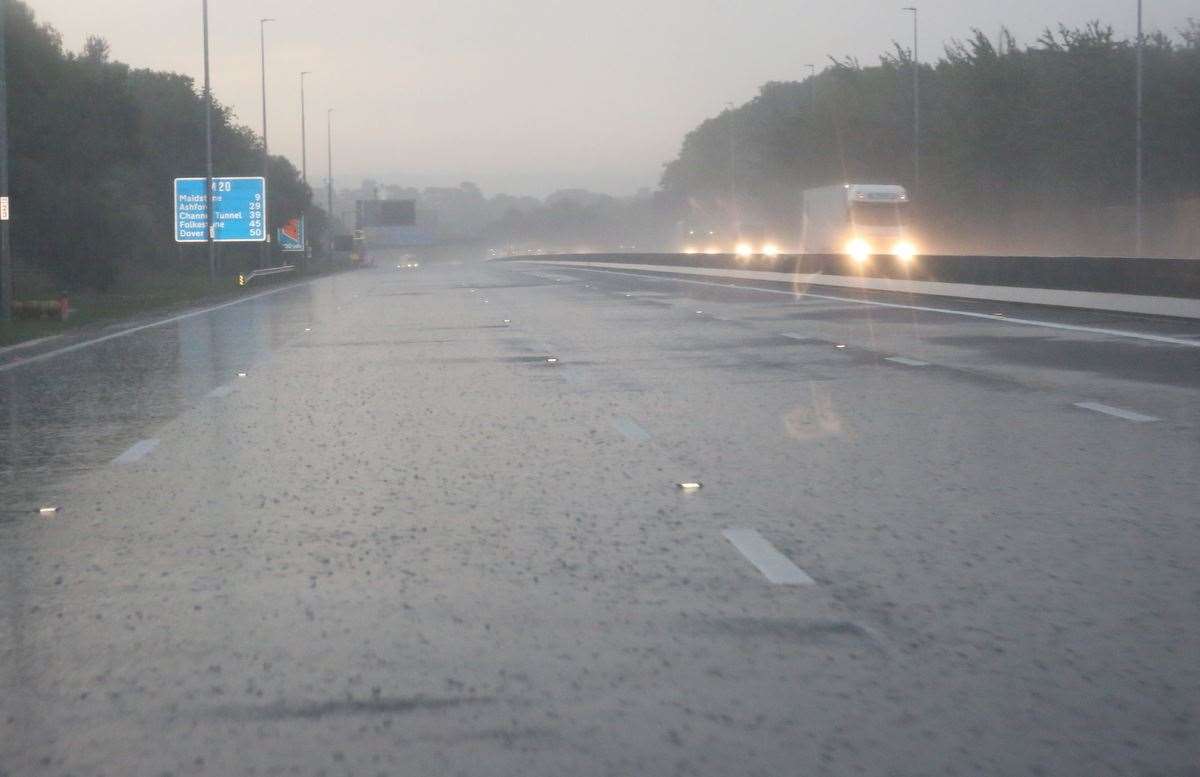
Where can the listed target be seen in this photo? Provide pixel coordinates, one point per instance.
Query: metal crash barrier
(57, 308)
(245, 278)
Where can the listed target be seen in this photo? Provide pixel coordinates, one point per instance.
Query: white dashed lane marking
(136, 452)
(630, 429)
(907, 362)
(775, 566)
(221, 391)
(1116, 412)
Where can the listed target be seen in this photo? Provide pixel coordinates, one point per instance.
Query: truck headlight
(904, 251)
(859, 250)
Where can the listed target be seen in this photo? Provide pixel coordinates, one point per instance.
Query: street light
(329, 177)
(812, 86)
(1137, 186)
(303, 131)
(916, 103)
(304, 151)
(732, 165)
(208, 160)
(265, 247)
(6, 285)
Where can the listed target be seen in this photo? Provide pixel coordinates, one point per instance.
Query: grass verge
(144, 295)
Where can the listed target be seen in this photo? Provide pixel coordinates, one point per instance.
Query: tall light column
(1137, 185)
(208, 159)
(812, 88)
(916, 102)
(6, 275)
(732, 170)
(303, 131)
(329, 177)
(264, 249)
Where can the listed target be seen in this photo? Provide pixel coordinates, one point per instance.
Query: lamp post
(304, 154)
(812, 88)
(6, 282)
(329, 177)
(916, 102)
(732, 165)
(265, 247)
(208, 160)
(1137, 184)
(303, 131)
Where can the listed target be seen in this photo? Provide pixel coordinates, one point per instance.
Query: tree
(95, 146)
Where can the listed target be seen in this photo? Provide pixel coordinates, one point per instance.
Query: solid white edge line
(875, 303)
(134, 329)
(775, 566)
(28, 343)
(1116, 412)
(906, 361)
(136, 452)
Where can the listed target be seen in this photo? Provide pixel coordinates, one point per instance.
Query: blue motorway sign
(239, 210)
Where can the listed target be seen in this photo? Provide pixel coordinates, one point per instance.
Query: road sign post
(239, 208)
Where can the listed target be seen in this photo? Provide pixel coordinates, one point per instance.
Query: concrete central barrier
(1162, 287)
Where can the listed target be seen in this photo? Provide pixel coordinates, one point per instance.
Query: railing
(1158, 287)
(244, 279)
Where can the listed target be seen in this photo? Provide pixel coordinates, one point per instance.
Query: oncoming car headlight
(770, 250)
(744, 250)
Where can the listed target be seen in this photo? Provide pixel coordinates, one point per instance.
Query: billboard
(385, 213)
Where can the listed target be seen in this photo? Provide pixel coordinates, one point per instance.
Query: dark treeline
(1023, 149)
(95, 146)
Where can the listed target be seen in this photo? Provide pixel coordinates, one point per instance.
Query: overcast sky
(528, 96)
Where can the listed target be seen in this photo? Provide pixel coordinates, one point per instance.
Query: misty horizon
(538, 96)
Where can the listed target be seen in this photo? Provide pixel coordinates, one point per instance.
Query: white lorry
(858, 219)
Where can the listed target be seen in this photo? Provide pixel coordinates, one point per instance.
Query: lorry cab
(860, 220)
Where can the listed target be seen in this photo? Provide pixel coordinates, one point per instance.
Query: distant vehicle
(343, 248)
(408, 262)
(351, 249)
(857, 219)
(699, 238)
(755, 240)
(360, 256)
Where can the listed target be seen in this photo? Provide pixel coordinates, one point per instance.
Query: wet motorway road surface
(403, 522)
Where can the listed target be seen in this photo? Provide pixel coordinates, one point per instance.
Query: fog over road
(403, 542)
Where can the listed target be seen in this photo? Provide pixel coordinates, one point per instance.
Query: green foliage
(94, 148)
